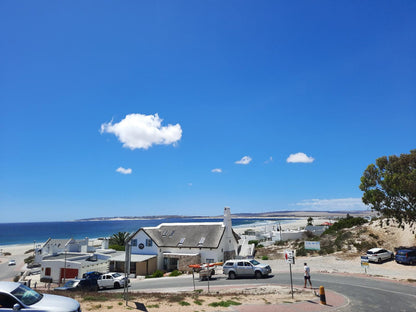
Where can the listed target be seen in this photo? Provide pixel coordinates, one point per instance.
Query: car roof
(374, 249)
(8, 286)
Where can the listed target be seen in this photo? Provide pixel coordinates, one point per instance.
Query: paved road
(365, 294)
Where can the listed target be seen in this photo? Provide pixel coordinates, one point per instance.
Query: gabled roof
(58, 242)
(186, 235)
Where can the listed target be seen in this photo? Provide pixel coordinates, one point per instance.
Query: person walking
(307, 274)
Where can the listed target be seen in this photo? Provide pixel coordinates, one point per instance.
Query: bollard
(322, 294)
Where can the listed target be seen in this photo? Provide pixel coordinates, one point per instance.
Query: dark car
(406, 256)
(80, 284)
(94, 275)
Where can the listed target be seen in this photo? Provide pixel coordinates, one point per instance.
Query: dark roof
(187, 235)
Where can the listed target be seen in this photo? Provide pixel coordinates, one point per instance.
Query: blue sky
(140, 108)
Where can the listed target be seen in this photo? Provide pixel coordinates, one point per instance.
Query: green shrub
(175, 273)
(117, 247)
(260, 246)
(255, 242)
(156, 274)
(224, 304)
(348, 222)
(184, 303)
(265, 258)
(29, 259)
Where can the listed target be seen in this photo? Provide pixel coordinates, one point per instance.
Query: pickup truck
(112, 280)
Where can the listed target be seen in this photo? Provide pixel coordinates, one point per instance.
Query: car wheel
(116, 285)
(392, 257)
(379, 260)
(231, 275)
(258, 274)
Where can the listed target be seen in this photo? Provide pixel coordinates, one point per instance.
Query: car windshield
(254, 262)
(71, 284)
(26, 295)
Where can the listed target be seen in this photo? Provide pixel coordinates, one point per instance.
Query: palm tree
(119, 238)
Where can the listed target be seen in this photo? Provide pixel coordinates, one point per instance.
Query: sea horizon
(39, 232)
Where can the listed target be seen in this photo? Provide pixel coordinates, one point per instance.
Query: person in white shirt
(307, 275)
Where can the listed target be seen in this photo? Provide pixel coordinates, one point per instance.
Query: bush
(265, 258)
(255, 242)
(117, 247)
(29, 259)
(175, 273)
(156, 274)
(344, 224)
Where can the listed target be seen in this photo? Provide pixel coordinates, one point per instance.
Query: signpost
(364, 263)
(290, 258)
(312, 245)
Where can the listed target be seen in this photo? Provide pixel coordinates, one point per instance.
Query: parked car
(12, 262)
(15, 296)
(379, 255)
(236, 268)
(112, 280)
(79, 284)
(406, 256)
(92, 275)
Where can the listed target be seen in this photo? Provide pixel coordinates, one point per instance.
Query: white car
(15, 296)
(112, 280)
(12, 262)
(379, 255)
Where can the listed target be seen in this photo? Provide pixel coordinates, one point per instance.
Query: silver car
(235, 268)
(379, 255)
(15, 296)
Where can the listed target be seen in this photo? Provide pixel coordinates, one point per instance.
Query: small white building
(57, 246)
(176, 245)
(53, 267)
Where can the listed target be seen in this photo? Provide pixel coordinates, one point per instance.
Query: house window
(210, 260)
(134, 242)
(47, 271)
(149, 242)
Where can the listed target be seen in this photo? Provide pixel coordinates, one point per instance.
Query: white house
(176, 245)
(57, 246)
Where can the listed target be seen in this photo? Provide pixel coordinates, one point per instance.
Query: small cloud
(189, 184)
(337, 204)
(299, 158)
(244, 161)
(137, 131)
(217, 170)
(268, 161)
(124, 170)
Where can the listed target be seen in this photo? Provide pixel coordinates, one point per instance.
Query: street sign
(290, 256)
(312, 245)
(364, 261)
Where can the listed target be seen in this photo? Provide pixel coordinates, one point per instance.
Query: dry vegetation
(191, 301)
(351, 242)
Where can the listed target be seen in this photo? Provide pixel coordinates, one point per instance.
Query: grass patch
(109, 307)
(224, 304)
(198, 301)
(95, 298)
(155, 306)
(184, 303)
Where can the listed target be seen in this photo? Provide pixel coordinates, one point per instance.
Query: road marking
(375, 288)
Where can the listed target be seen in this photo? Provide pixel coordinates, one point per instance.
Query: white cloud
(217, 170)
(124, 170)
(299, 158)
(142, 131)
(332, 204)
(244, 161)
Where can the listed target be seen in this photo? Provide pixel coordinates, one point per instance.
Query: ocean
(40, 232)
